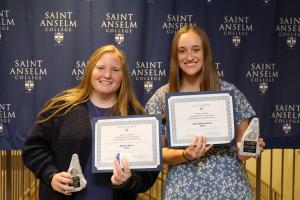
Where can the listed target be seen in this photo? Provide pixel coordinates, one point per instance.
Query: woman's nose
(107, 73)
(189, 55)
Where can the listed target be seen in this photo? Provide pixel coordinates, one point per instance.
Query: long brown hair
(66, 100)
(209, 77)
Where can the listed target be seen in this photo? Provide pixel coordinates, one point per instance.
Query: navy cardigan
(51, 145)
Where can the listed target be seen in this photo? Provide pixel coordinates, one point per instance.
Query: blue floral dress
(219, 174)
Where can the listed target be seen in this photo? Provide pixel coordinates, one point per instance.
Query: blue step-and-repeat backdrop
(44, 47)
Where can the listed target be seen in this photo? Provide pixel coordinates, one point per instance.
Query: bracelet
(185, 158)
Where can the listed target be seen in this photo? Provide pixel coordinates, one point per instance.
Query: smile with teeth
(105, 82)
(191, 63)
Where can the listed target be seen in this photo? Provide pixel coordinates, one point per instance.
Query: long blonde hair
(66, 100)
(209, 77)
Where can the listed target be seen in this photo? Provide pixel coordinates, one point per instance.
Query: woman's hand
(61, 183)
(196, 149)
(120, 175)
(261, 144)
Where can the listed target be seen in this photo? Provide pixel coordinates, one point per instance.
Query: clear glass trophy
(79, 182)
(249, 143)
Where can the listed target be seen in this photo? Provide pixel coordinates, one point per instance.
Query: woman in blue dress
(64, 128)
(202, 171)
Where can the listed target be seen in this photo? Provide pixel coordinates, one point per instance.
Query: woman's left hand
(261, 144)
(120, 175)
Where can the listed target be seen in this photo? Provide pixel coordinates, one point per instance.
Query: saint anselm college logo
(236, 27)
(119, 24)
(6, 114)
(148, 72)
(6, 21)
(287, 115)
(28, 71)
(263, 74)
(175, 22)
(58, 23)
(79, 69)
(289, 28)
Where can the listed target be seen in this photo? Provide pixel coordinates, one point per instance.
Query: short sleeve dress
(219, 174)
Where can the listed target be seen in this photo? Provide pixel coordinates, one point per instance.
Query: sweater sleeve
(37, 154)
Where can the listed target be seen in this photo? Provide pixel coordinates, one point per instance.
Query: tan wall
(283, 172)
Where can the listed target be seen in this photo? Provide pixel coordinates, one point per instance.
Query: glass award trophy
(249, 143)
(79, 182)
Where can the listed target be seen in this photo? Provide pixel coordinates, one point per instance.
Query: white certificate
(138, 138)
(194, 114)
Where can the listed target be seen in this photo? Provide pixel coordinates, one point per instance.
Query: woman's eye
(181, 51)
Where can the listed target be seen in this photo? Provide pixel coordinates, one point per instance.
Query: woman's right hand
(61, 183)
(196, 149)
(120, 174)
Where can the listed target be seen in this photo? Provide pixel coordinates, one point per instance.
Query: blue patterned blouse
(219, 174)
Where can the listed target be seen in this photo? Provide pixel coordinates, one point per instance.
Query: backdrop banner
(45, 45)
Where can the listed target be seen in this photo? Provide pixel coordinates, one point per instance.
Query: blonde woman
(63, 128)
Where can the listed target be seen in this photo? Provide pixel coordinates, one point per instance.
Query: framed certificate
(209, 114)
(136, 137)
